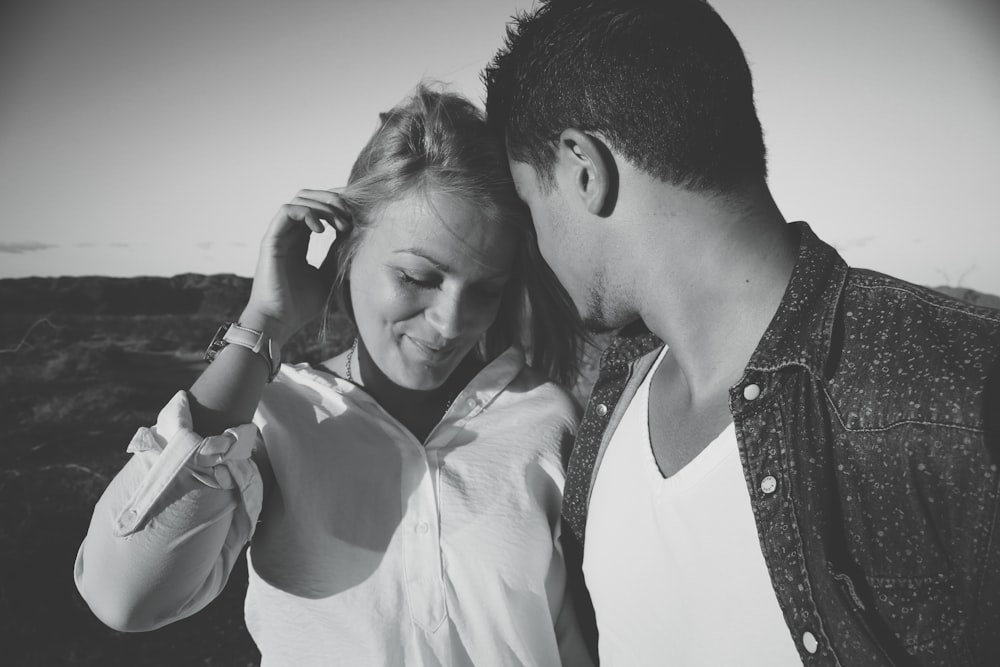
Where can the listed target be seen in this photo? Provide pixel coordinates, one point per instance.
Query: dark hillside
(186, 294)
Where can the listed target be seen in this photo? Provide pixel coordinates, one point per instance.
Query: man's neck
(712, 278)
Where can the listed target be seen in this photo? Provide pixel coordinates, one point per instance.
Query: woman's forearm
(228, 391)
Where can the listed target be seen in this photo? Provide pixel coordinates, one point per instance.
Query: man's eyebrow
(444, 268)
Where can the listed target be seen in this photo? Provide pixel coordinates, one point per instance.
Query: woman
(402, 499)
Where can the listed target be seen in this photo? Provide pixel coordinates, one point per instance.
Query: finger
(327, 209)
(337, 201)
(329, 200)
(332, 216)
(330, 196)
(290, 218)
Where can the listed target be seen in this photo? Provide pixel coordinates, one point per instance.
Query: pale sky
(156, 138)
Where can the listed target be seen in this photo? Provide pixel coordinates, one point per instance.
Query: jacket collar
(801, 330)
(633, 341)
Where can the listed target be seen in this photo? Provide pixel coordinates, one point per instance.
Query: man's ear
(592, 170)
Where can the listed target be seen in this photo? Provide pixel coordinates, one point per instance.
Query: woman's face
(426, 282)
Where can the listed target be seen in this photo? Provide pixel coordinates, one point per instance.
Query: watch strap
(255, 341)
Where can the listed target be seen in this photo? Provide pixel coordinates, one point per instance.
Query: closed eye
(423, 283)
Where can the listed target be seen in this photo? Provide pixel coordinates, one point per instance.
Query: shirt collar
(492, 380)
(481, 390)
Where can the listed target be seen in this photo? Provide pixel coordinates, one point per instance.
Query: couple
(783, 461)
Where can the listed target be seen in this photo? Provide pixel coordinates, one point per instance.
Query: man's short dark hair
(664, 82)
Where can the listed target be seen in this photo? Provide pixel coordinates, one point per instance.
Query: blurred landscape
(84, 362)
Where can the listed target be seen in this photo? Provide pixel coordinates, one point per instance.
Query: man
(784, 459)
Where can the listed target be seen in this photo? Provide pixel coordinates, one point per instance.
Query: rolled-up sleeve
(168, 529)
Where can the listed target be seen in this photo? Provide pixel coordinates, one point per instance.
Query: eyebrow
(444, 268)
(419, 253)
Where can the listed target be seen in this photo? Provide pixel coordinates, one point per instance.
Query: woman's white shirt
(371, 548)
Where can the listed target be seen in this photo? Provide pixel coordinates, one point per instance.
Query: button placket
(422, 547)
(761, 428)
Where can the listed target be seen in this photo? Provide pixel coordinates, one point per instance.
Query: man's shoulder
(875, 304)
(904, 352)
(872, 287)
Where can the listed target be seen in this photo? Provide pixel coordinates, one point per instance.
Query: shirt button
(751, 392)
(768, 484)
(423, 527)
(471, 403)
(601, 409)
(809, 642)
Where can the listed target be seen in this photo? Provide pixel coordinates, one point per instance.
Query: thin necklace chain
(350, 357)
(350, 376)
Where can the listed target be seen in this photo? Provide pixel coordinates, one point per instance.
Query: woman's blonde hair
(437, 141)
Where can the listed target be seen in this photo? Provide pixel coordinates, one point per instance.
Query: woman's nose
(449, 316)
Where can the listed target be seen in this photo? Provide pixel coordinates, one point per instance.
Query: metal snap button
(769, 484)
(601, 409)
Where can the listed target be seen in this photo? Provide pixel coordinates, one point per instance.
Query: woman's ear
(591, 168)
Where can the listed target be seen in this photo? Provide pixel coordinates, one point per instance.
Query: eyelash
(432, 284)
(410, 280)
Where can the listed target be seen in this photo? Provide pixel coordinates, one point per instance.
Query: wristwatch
(253, 340)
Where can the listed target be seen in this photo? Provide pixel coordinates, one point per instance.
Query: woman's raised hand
(287, 292)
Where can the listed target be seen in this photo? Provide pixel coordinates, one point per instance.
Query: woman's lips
(433, 352)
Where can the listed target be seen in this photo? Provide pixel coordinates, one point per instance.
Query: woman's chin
(422, 379)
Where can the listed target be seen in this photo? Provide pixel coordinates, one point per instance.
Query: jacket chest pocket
(924, 614)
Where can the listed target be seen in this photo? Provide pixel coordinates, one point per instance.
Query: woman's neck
(417, 409)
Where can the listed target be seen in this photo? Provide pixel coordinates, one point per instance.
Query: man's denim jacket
(867, 423)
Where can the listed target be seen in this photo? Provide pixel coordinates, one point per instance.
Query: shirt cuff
(219, 461)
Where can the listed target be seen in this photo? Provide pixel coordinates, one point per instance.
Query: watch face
(217, 342)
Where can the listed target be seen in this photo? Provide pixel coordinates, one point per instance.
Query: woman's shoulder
(298, 385)
(534, 387)
(329, 372)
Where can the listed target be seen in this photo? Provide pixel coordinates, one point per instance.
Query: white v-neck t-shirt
(674, 566)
